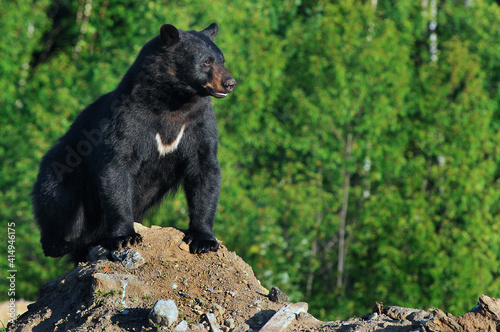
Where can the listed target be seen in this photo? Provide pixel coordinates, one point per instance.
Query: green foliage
(341, 121)
(107, 294)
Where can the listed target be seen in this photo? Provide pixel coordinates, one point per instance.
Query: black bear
(132, 146)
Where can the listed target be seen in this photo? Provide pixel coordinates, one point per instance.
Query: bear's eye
(208, 63)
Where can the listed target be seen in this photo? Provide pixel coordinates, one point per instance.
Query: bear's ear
(169, 35)
(211, 31)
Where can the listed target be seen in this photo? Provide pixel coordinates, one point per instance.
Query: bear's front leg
(116, 197)
(202, 193)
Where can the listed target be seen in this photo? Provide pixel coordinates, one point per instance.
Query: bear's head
(196, 62)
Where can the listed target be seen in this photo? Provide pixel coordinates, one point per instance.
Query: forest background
(360, 150)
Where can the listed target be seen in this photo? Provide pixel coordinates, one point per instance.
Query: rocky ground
(218, 291)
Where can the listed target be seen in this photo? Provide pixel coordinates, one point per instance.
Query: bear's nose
(230, 84)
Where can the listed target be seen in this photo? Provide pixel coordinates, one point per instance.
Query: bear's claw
(121, 242)
(198, 246)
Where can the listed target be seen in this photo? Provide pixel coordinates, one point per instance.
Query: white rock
(230, 323)
(164, 313)
(182, 326)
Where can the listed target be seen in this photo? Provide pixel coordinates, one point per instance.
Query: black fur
(107, 171)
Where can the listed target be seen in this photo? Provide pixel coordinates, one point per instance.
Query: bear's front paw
(199, 244)
(120, 242)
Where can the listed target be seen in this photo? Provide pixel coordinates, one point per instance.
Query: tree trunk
(343, 212)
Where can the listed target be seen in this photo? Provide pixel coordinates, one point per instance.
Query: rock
(196, 311)
(283, 318)
(277, 295)
(183, 246)
(182, 326)
(242, 328)
(212, 322)
(103, 284)
(129, 258)
(186, 295)
(98, 253)
(164, 313)
(218, 310)
(378, 308)
(155, 273)
(401, 313)
(483, 317)
(418, 315)
(229, 323)
(139, 227)
(307, 319)
(198, 327)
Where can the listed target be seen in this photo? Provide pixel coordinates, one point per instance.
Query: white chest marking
(164, 149)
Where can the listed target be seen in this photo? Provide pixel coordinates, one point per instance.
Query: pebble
(186, 295)
(129, 258)
(242, 328)
(212, 322)
(164, 313)
(155, 273)
(277, 295)
(182, 326)
(218, 310)
(198, 312)
(197, 327)
(229, 323)
(184, 247)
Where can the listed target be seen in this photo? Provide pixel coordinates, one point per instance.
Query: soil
(106, 295)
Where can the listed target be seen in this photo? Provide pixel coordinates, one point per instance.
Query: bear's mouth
(216, 91)
(219, 94)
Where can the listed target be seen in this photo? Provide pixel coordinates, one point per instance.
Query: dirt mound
(216, 291)
(109, 296)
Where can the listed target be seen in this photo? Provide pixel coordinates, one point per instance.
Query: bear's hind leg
(60, 230)
(56, 248)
